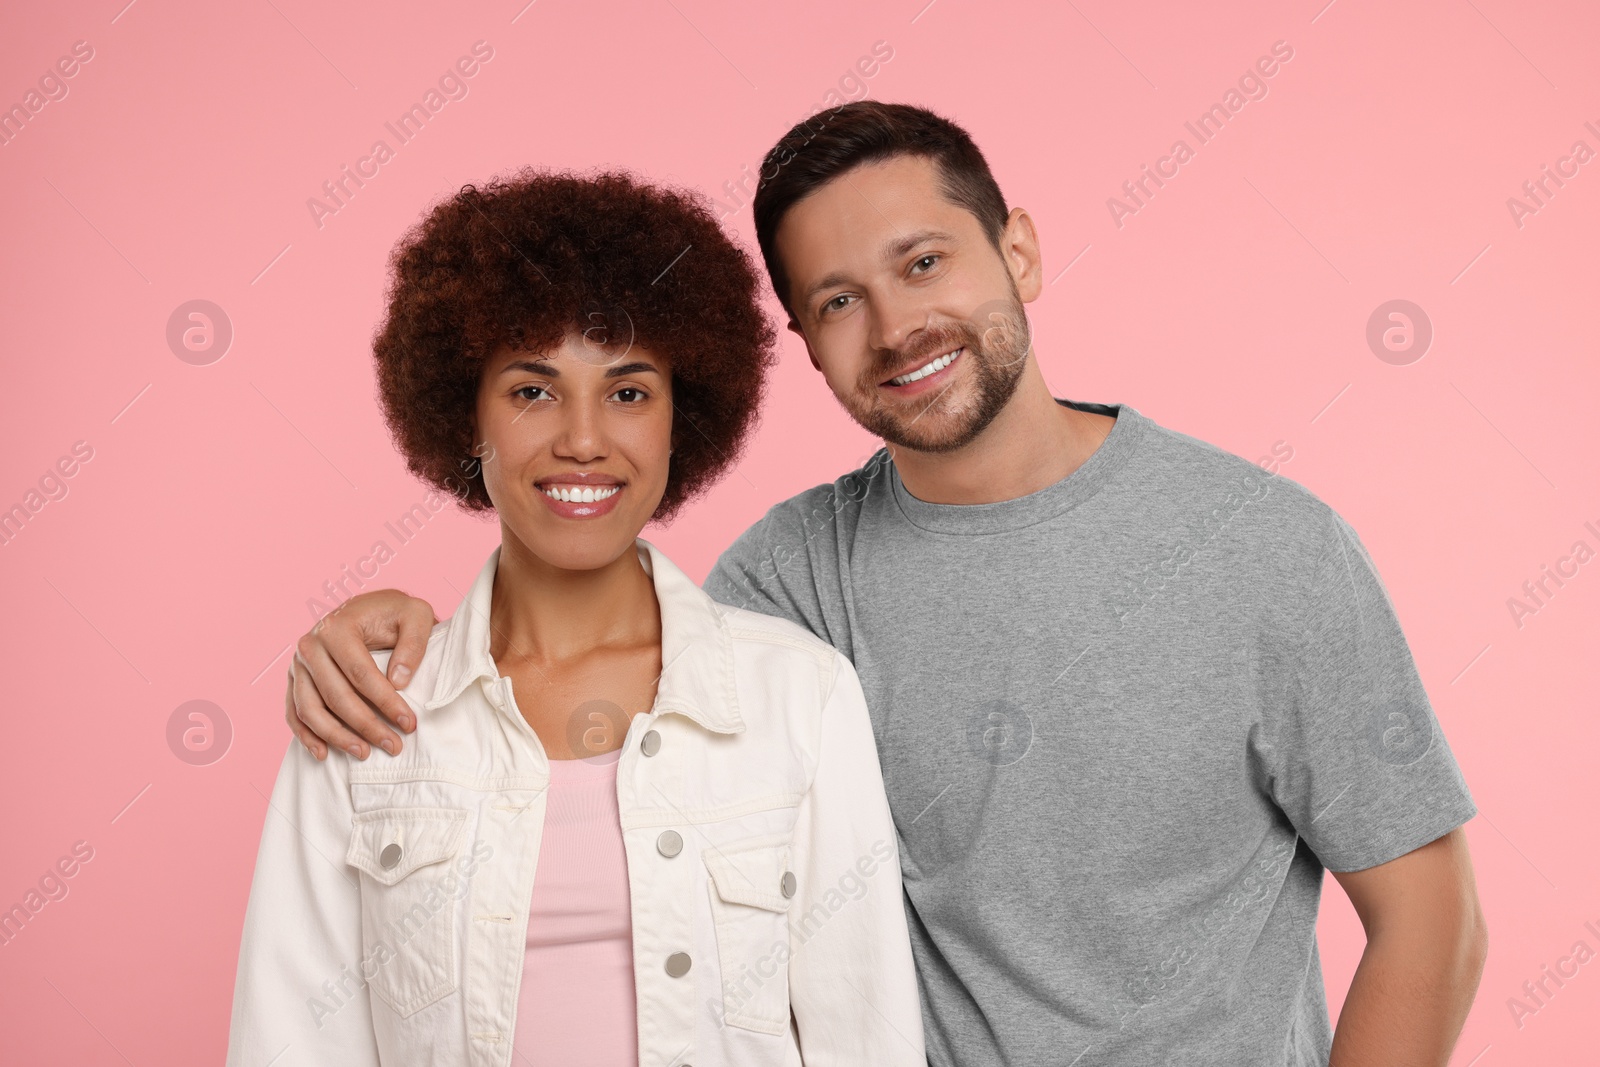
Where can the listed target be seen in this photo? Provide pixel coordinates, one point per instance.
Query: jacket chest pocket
(408, 902)
(751, 885)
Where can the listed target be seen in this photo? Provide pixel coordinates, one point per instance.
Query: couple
(1027, 743)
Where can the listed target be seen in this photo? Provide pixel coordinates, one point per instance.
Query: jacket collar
(696, 649)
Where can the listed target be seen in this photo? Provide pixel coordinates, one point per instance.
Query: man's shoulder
(1197, 476)
(829, 503)
(790, 562)
(813, 517)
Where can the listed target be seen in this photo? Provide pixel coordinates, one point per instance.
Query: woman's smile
(580, 495)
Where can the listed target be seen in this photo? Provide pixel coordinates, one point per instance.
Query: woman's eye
(928, 259)
(526, 389)
(629, 395)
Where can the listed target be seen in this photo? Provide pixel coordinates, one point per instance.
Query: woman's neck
(548, 614)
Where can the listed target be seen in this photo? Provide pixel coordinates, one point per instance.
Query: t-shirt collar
(1055, 499)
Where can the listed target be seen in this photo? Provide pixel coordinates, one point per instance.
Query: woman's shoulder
(783, 635)
(767, 648)
(423, 678)
(786, 679)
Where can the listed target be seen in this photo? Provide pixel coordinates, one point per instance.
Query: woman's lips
(604, 498)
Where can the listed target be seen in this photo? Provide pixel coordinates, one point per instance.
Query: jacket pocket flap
(750, 874)
(390, 843)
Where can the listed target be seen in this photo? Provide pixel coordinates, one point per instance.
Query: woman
(641, 827)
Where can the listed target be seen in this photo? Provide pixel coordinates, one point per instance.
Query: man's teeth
(584, 494)
(926, 369)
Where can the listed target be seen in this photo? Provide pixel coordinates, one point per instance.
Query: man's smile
(927, 370)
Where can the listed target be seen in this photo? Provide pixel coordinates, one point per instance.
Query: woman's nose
(582, 437)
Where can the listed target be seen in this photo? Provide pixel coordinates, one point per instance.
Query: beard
(955, 415)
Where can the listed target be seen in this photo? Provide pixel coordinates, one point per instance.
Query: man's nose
(895, 319)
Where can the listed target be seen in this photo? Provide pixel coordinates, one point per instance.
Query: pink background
(1232, 306)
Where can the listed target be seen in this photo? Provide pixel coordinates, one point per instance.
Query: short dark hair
(528, 258)
(831, 142)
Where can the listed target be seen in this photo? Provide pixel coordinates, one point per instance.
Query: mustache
(929, 343)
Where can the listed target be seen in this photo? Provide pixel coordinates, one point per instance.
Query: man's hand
(1426, 943)
(335, 687)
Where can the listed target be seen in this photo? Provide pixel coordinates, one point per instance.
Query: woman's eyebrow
(549, 371)
(631, 368)
(532, 367)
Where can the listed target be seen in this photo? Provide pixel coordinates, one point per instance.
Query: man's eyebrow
(892, 249)
(901, 245)
(826, 282)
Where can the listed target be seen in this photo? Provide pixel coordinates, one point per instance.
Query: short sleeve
(1359, 763)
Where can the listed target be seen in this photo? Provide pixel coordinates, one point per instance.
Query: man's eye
(928, 259)
(526, 389)
(837, 303)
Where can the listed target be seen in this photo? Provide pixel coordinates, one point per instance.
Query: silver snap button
(650, 744)
(787, 884)
(389, 858)
(678, 964)
(669, 844)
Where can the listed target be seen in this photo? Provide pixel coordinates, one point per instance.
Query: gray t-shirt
(1125, 722)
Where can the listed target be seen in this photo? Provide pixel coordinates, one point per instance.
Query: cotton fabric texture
(1126, 723)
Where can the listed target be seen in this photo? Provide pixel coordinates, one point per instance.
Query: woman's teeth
(926, 369)
(581, 494)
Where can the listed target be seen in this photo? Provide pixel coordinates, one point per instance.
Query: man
(1131, 694)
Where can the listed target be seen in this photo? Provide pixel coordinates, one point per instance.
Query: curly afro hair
(526, 259)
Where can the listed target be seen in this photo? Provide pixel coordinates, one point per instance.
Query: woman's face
(574, 444)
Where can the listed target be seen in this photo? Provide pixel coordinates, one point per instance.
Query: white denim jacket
(388, 916)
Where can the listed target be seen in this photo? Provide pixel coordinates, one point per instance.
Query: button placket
(669, 846)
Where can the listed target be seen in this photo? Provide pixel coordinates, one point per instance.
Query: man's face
(911, 314)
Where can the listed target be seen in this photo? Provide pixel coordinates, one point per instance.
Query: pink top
(576, 1003)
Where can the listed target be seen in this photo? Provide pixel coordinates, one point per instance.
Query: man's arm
(1359, 763)
(1426, 943)
(336, 692)
(337, 697)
